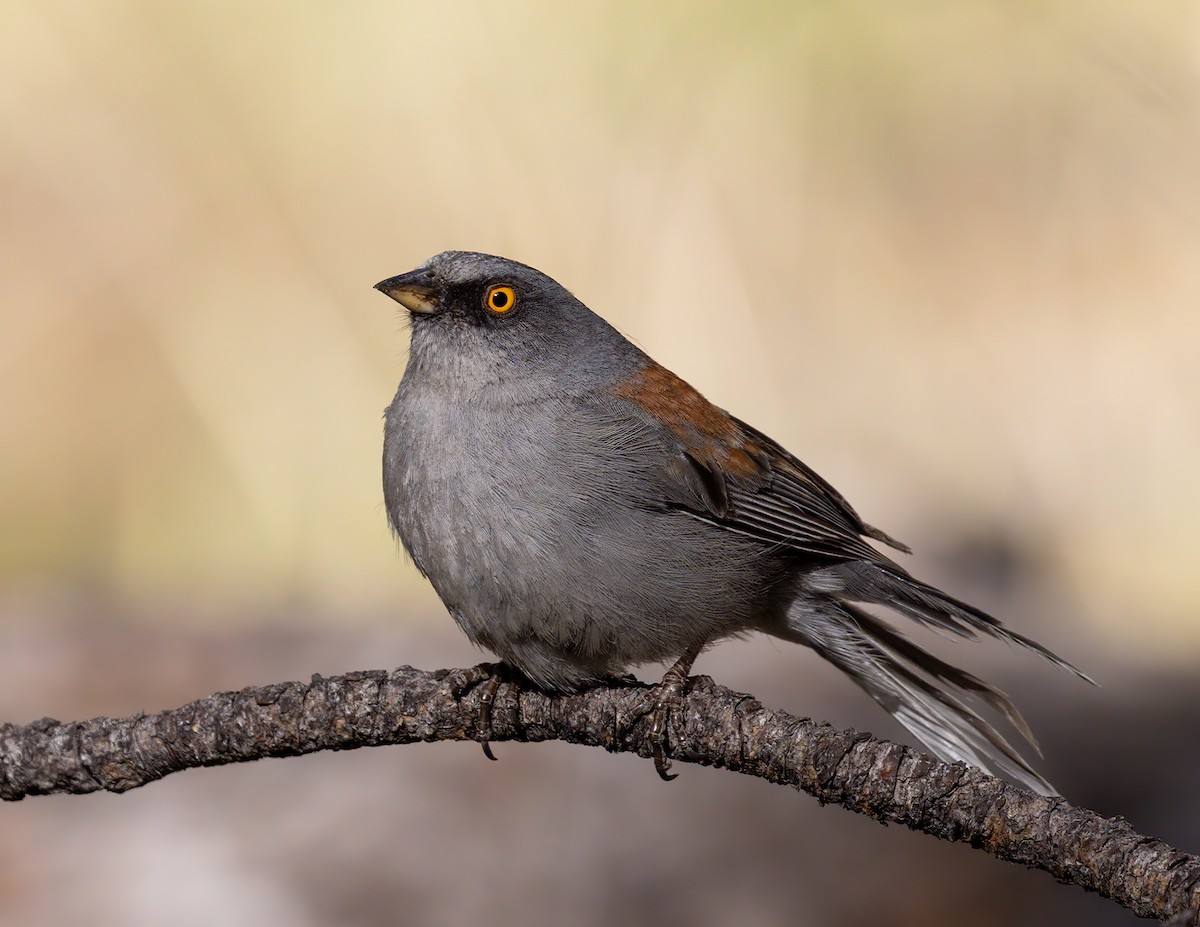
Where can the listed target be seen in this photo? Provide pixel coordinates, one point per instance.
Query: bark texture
(713, 727)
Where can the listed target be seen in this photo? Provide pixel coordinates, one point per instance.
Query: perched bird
(581, 510)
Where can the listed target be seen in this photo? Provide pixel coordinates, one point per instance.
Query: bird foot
(658, 704)
(488, 677)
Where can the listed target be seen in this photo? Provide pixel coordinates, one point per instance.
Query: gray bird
(582, 510)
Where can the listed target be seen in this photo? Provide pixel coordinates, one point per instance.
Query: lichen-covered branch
(714, 727)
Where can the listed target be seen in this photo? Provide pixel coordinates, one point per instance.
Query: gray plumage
(580, 511)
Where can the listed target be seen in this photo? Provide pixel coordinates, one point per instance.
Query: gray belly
(543, 537)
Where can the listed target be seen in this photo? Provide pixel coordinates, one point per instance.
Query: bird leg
(668, 694)
(488, 677)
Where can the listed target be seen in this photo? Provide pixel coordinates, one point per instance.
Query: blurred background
(947, 253)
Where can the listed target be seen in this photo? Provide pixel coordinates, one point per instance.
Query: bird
(581, 510)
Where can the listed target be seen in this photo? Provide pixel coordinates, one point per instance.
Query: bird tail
(933, 699)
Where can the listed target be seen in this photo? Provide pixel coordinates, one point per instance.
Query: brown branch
(715, 727)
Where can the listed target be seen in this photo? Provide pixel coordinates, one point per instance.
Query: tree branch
(715, 727)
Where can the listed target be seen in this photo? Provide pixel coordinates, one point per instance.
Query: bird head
(482, 316)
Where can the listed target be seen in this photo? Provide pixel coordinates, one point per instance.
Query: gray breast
(541, 526)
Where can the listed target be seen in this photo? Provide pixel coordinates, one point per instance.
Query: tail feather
(931, 698)
(905, 650)
(877, 584)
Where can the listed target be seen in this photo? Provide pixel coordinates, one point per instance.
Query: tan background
(949, 254)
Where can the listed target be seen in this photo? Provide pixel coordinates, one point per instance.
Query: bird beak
(413, 291)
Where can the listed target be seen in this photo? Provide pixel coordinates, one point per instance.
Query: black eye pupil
(500, 299)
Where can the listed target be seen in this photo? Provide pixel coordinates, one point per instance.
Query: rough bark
(713, 727)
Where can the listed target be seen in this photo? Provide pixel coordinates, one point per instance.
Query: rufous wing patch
(713, 441)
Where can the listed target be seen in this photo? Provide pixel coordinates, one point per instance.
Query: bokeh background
(948, 253)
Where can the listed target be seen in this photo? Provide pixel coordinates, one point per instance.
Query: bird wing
(723, 471)
(793, 497)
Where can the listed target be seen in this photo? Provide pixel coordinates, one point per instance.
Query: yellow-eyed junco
(581, 510)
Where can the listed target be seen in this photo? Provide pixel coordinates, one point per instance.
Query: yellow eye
(500, 299)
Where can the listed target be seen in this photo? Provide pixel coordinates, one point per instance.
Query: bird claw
(658, 704)
(488, 677)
